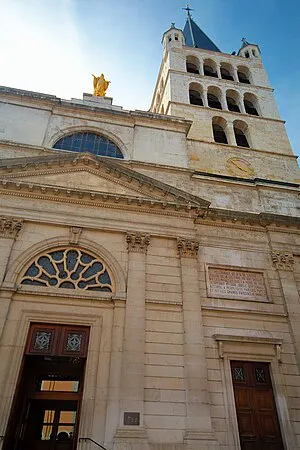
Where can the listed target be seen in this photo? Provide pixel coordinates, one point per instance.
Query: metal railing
(84, 439)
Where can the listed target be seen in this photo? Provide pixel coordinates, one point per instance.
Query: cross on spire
(188, 9)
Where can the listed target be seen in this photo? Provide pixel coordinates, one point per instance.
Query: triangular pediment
(80, 179)
(88, 174)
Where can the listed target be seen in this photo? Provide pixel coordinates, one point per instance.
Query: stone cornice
(230, 113)
(137, 242)
(214, 215)
(215, 81)
(95, 198)
(136, 116)
(10, 227)
(114, 169)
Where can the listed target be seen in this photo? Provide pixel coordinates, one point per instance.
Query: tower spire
(188, 9)
(188, 22)
(194, 36)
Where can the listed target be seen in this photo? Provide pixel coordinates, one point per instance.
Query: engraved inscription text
(230, 283)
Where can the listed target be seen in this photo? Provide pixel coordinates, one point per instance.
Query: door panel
(255, 406)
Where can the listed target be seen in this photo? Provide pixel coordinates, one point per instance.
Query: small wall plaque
(131, 418)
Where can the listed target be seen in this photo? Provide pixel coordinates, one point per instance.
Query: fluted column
(9, 230)
(198, 421)
(283, 262)
(133, 365)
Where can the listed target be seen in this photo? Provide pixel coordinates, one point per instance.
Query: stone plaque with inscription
(236, 284)
(131, 418)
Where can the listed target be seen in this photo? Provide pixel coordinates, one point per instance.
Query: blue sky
(53, 46)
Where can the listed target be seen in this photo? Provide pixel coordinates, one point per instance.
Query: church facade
(150, 263)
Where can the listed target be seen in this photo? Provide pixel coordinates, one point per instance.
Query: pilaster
(131, 428)
(199, 432)
(283, 262)
(9, 230)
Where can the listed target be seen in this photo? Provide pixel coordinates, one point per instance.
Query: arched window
(232, 106)
(209, 68)
(213, 101)
(68, 268)
(240, 131)
(213, 97)
(218, 126)
(250, 102)
(89, 142)
(232, 99)
(226, 72)
(195, 98)
(243, 75)
(250, 108)
(192, 64)
(195, 94)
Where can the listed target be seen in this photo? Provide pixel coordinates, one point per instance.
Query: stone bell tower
(230, 102)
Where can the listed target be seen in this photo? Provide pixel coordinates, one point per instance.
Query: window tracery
(68, 268)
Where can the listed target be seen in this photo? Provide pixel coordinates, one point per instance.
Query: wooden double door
(46, 408)
(255, 406)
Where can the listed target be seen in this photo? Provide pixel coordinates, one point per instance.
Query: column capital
(187, 248)
(10, 227)
(137, 242)
(283, 260)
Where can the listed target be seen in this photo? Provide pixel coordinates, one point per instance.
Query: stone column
(201, 68)
(230, 133)
(284, 263)
(9, 230)
(241, 102)
(205, 101)
(235, 75)
(224, 101)
(198, 423)
(131, 430)
(219, 71)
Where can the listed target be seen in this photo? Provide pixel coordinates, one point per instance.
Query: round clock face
(239, 167)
